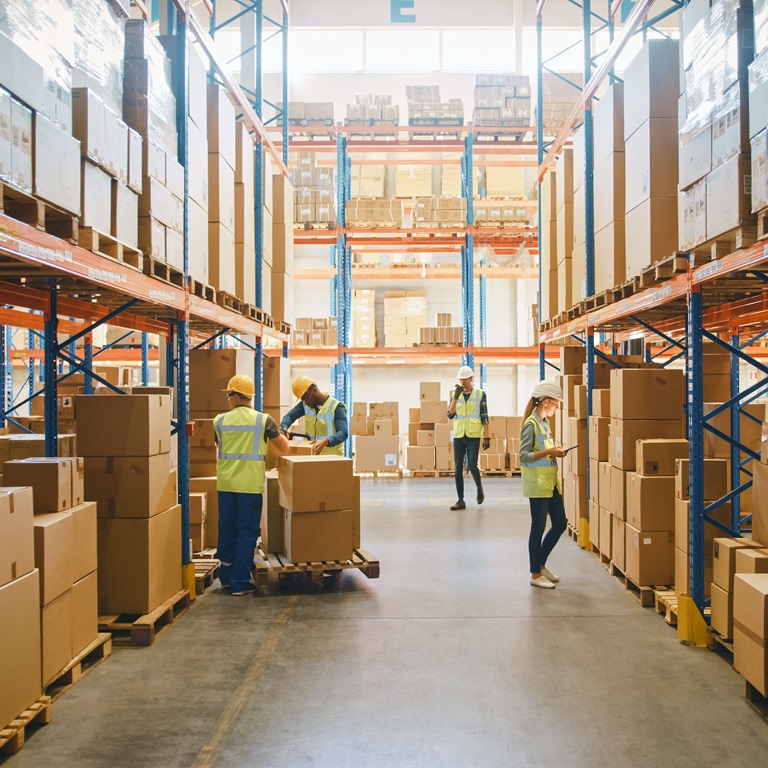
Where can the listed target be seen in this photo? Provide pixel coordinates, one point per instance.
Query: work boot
(459, 505)
(480, 495)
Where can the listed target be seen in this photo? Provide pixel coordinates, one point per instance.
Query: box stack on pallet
(413, 180)
(369, 182)
(282, 266)
(502, 100)
(364, 318)
(437, 212)
(314, 196)
(564, 202)
(307, 113)
(245, 223)
(315, 332)
(715, 166)
(558, 98)
(548, 245)
(571, 431)
(502, 182)
(133, 479)
(758, 116)
(364, 212)
(426, 108)
(429, 433)
(494, 213)
(405, 313)
(503, 454)
(376, 431)
(370, 109)
(442, 333)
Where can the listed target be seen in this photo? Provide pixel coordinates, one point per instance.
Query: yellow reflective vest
(467, 421)
(242, 446)
(540, 477)
(320, 424)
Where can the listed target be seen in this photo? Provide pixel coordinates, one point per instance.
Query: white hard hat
(547, 389)
(465, 372)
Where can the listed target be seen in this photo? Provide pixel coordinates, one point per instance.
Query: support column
(50, 332)
(144, 360)
(735, 434)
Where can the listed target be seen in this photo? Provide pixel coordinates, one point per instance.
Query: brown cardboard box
(751, 560)
(444, 459)
(429, 391)
(85, 612)
(724, 559)
(272, 516)
(606, 532)
(650, 556)
(377, 453)
(715, 478)
(580, 396)
(420, 458)
(84, 537)
(20, 670)
(433, 412)
(197, 536)
(601, 402)
(425, 437)
(759, 511)
(750, 611)
(569, 394)
(514, 425)
(138, 425)
(647, 394)
(277, 381)
(618, 505)
(618, 542)
(50, 480)
(56, 635)
(657, 457)
(683, 525)
(139, 562)
(625, 434)
(17, 539)
(599, 427)
(722, 611)
(651, 233)
(442, 435)
(571, 360)
(683, 573)
(209, 372)
(198, 503)
(594, 524)
(315, 483)
(389, 410)
(750, 432)
(130, 486)
(53, 553)
(497, 427)
(317, 536)
(594, 481)
(207, 485)
(605, 471)
(650, 502)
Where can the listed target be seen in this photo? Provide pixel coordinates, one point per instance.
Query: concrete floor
(449, 659)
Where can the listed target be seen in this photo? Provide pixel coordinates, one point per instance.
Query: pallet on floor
(383, 474)
(757, 701)
(130, 629)
(433, 473)
(665, 602)
(12, 737)
(270, 565)
(28, 209)
(601, 558)
(495, 473)
(84, 663)
(106, 245)
(645, 595)
(720, 643)
(206, 572)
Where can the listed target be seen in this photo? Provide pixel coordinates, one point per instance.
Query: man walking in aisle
(241, 437)
(325, 417)
(469, 412)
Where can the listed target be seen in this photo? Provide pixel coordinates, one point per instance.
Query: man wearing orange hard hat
(325, 417)
(241, 437)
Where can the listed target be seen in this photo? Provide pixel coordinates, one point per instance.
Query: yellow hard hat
(301, 385)
(241, 384)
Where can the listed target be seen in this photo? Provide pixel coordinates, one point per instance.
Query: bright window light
(402, 51)
(479, 50)
(327, 50)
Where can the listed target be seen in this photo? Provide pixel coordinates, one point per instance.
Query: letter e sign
(397, 8)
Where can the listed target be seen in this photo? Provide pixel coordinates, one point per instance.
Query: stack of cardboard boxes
(371, 213)
(413, 180)
(429, 432)
(503, 181)
(758, 109)
(503, 453)
(368, 181)
(281, 270)
(65, 555)
(432, 212)
(559, 97)
(564, 198)
(425, 107)
(450, 180)
(370, 109)
(572, 433)
(488, 213)
(364, 318)
(502, 100)
(405, 312)
(548, 245)
(245, 224)
(315, 332)
(307, 113)
(442, 332)
(377, 436)
(131, 479)
(314, 196)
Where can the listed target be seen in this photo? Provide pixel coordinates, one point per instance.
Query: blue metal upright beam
(589, 159)
(468, 254)
(735, 435)
(50, 333)
(540, 158)
(286, 96)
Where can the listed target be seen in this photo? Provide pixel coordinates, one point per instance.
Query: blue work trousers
(552, 507)
(468, 447)
(239, 527)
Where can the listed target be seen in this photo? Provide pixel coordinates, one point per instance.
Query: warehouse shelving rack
(722, 302)
(45, 279)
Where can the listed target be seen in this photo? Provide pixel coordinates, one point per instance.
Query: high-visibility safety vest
(540, 477)
(467, 421)
(241, 450)
(320, 424)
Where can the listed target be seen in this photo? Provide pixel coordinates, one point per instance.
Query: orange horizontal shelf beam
(414, 273)
(416, 355)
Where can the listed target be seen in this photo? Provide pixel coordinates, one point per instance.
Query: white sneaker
(542, 582)
(554, 578)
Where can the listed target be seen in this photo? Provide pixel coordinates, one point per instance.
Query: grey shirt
(528, 439)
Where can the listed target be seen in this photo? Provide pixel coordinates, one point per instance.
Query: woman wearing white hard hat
(469, 413)
(541, 485)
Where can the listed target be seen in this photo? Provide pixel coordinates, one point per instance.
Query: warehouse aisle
(450, 659)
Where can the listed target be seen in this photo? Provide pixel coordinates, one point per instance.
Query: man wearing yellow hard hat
(241, 437)
(325, 417)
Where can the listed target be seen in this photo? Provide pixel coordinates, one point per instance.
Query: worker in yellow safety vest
(469, 413)
(241, 437)
(541, 484)
(325, 417)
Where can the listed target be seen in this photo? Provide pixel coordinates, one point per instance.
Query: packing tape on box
(753, 636)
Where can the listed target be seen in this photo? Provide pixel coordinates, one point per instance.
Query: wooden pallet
(362, 224)
(665, 602)
(201, 290)
(762, 224)
(206, 572)
(433, 474)
(495, 473)
(30, 210)
(744, 236)
(228, 301)
(106, 245)
(757, 701)
(572, 533)
(283, 327)
(84, 663)
(720, 643)
(388, 474)
(162, 271)
(311, 225)
(595, 302)
(645, 595)
(273, 566)
(601, 558)
(674, 265)
(130, 629)
(12, 737)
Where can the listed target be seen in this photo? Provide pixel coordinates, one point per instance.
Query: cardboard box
(618, 542)
(433, 412)
(604, 472)
(625, 434)
(96, 199)
(647, 393)
(683, 573)
(17, 540)
(598, 438)
(444, 459)
(650, 556)
(318, 536)
(56, 635)
(221, 124)
(729, 201)
(315, 483)
(84, 540)
(443, 435)
(715, 478)
(207, 485)
(683, 525)
(657, 457)
(759, 511)
(138, 425)
(209, 372)
(430, 391)
(50, 480)
(722, 611)
(618, 484)
(420, 458)
(276, 387)
(57, 166)
(85, 612)
(139, 562)
(751, 560)
(750, 610)
(594, 524)
(724, 559)
(424, 437)
(606, 532)
(272, 516)
(131, 486)
(125, 214)
(601, 402)
(650, 502)
(53, 553)
(20, 662)
(652, 162)
(651, 233)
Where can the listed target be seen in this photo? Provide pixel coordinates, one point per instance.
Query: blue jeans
(239, 526)
(538, 550)
(469, 447)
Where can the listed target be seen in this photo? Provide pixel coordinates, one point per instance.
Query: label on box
(390, 459)
(618, 449)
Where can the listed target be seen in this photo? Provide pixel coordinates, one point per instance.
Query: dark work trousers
(239, 525)
(469, 447)
(538, 550)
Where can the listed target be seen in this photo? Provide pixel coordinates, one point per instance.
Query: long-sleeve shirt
(340, 422)
(528, 438)
(483, 407)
